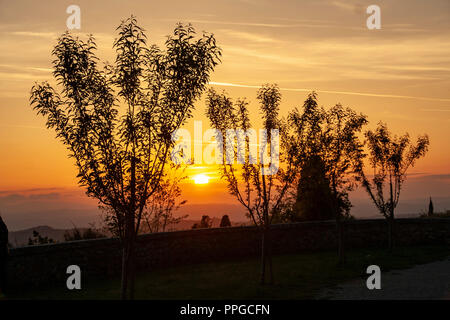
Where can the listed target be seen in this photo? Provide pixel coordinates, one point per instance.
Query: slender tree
(390, 158)
(159, 214)
(117, 121)
(332, 136)
(259, 189)
(342, 152)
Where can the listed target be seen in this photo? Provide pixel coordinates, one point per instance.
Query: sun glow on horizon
(201, 179)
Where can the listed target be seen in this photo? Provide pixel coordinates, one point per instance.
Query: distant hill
(20, 238)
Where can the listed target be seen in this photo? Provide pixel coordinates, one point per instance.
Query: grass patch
(297, 276)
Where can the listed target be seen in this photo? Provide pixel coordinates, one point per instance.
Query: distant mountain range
(20, 238)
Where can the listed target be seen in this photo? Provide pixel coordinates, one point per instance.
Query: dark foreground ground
(429, 281)
(300, 276)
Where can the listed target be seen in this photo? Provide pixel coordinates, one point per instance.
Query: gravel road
(427, 281)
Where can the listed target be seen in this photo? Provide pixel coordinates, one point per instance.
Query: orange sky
(399, 74)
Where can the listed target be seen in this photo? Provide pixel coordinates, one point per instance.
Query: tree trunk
(391, 218)
(263, 255)
(131, 229)
(341, 241)
(269, 254)
(266, 257)
(391, 233)
(124, 280)
(132, 269)
(128, 261)
(128, 241)
(340, 225)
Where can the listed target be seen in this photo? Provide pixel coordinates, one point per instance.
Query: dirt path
(427, 281)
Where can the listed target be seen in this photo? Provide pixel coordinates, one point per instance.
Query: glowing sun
(201, 179)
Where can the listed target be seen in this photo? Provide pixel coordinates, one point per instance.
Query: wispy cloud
(273, 57)
(436, 110)
(351, 7)
(20, 126)
(31, 190)
(306, 24)
(15, 72)
(379, 95)
(41, 69)
(18, 76)
(254, 37)
(47, 35)
(343, 5)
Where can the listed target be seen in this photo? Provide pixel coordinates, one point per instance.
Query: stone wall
(46, 264)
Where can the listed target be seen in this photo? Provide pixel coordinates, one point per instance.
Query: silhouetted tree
(390, 158)
(159, 213)
(38, 239)
(314, 196)
(430, 208)
(225, 221)
(331, 136)
(120, 153)
(256, 185)
(86, 234)
(205, 222)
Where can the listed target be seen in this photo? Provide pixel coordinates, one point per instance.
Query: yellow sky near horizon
(399, 74)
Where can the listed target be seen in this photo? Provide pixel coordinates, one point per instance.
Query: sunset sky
(399, 74)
